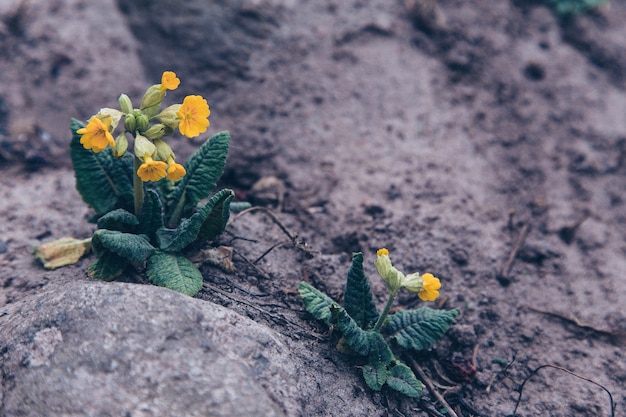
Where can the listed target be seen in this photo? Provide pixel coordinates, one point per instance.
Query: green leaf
(174, 272)
(401, 378)
(574, 6)
(419, 329)
(357, 338)
(359, 302)
(120, 220)
(108, 266)
(366, 343)
(316, 302)
(209, 220)
(129, 246)
(216, 221)
(375, 375)
(151, 214)
(203, 168)
(103, 181)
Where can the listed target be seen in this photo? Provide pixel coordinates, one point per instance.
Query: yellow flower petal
(194, 116)
(430, 288)
(175, 172)
(151, 170)
(169, 81)
(96, 135)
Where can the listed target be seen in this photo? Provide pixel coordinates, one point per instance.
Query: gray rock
(115, 349)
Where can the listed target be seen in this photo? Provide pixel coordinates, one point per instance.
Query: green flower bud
(392, 277)
(151, 101)
(169, 117)
(129, 123)
(142, 123)
(156, 131)
(143, 146)
(164, 151)
(125, 104)
(121, 145)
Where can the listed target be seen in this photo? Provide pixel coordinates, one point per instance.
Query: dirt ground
(484, 141)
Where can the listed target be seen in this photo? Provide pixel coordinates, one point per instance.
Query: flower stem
(137, 188)
(383, 315)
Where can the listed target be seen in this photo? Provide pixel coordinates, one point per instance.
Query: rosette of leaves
(409, 329)
(169, 223)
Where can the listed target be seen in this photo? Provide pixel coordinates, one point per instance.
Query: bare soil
(484, 142)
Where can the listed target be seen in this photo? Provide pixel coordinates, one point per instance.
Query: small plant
(564, 7)
(368, 333)
(145, 202)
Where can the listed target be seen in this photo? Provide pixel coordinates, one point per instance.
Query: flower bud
(392, 277)
(142, 123)
(156, 131)
(121, 145)
(163, 150)
(169, 117)
(129, 123)
(413, 282)
(151, 101)
(143, 147)
(125, 104)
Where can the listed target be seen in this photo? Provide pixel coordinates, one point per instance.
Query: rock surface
(90, 348)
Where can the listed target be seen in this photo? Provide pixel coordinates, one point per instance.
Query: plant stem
(137, 188)
(383, 315)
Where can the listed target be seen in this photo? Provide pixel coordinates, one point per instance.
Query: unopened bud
(151, 101)
(142, 123)
(125, 104)
(129, 123)
(121, 145)
(156, 131)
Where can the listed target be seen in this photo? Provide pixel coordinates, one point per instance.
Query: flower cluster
(156, 158)
(426, 286)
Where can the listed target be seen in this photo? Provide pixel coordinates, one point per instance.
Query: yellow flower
(175, 171)
(169, 81)
(194, 116)
(430, 288)
(151, 170)
(96, 135)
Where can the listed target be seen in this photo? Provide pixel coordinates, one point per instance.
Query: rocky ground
(482, 140)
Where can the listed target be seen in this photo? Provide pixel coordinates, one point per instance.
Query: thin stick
(521, 388)
(432, 388)
(506, 268)
(578, 323)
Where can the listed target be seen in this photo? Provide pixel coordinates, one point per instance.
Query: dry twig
(503, 275)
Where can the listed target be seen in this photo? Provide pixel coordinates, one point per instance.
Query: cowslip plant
(371, 334)
(145, 202)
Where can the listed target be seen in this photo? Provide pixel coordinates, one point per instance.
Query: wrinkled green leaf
(108, 266)
(316, 302)
(120, 220)
(204, 222)
(359, 302)
(216, 221)
(151, 214)
(203, 168)
(375, 375)
(103, 181)
(419, 329)
(355, 337)
(174, 272)
(129, 246)
(401, 378)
